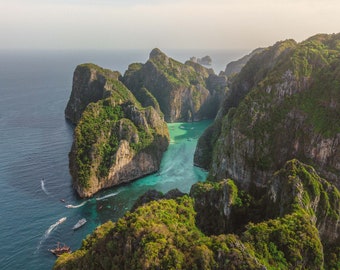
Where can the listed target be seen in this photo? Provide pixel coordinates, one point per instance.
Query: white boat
(61, 220)
(80, 223)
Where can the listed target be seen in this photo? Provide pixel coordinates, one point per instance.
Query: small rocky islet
(271, 200)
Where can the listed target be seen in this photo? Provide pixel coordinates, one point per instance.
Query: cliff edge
(116, 140)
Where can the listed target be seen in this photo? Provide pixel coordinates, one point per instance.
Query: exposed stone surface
(89, 85)
(284, 104)
(213, 203)
(298, 185)
(154, 195)
(184, 92)
(235, 67)
(205, 60)
(116, 140)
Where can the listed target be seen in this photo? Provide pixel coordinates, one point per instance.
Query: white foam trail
(49, 230)
(107, 196)
(167, 169)
(43, 187)
(53, 226)
(76, 206)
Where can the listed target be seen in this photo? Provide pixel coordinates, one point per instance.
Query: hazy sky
(185, 24)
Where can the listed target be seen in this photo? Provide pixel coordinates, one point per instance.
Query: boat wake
(49, 230)
(107, 196)
(43, 187)
(168, 169)
(53, 226)
(76, 206)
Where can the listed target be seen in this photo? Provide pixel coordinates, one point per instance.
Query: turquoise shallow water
(34, 143)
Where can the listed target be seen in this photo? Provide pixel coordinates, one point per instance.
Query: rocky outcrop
(205, 60)
(297, 185)
(235, 67)
(213, 204)
(184, 92)
(154, 195)
(284, 104)
(116, 140)
(89, 85)
(222, 208)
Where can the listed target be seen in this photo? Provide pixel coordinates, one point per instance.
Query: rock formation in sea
(116, 140)
(184, 92)
(205, 60)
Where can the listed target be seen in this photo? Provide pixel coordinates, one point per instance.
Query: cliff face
(235, 67)
(89, 85)
(298, 186)
(185, 92)
(167, 233)
(116, 140)
(284, 104)
(222, 208)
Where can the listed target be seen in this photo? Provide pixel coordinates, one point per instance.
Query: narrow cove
(176, 171)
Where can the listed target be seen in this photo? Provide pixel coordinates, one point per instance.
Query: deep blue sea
(34, 143)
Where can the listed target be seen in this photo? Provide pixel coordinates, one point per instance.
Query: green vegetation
(94, 131)
(183, 91)
(290, 242)
(177, 73)
(317, 97)
(104, 124)
(98, 134)
(317, 197)
(292, 97)
(164, 234)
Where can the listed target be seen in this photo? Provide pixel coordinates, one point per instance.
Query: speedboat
(61, 220)
(80, 223)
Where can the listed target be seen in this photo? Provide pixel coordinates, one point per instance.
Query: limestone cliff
(222, 208)
(185, 92)
(235, 67)
(297, 185)
(116, 140)
(284, 104)
(89, 85)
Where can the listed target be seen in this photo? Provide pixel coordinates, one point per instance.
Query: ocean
(35, 140)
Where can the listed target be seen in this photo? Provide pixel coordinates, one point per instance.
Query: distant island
(271, 199)
(205, 61)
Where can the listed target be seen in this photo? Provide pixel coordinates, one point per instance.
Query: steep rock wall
(185, 92)
(89, 85)
(116, 140)
(286, 106)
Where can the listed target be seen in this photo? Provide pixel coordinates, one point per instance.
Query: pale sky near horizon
(176, 24)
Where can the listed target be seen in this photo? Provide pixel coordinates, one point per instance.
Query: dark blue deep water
(34, 143)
